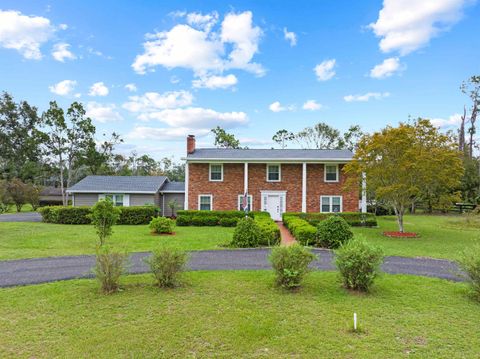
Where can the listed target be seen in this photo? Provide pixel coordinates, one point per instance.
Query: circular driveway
(21, 217)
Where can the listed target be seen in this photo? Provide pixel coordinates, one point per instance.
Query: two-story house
(275, 180)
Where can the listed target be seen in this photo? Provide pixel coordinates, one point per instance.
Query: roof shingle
(123, 184)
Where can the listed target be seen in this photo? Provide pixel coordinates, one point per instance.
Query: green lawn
(25, 208)
(239, 314)
(440, 236)
(29, 240)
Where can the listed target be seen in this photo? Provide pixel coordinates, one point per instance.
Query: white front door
(273, 207)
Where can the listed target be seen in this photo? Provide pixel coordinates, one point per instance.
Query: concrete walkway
(40, 270)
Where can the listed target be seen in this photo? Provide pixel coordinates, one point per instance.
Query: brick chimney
(190, 144)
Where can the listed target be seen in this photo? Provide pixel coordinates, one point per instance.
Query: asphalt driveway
(40, 270)
(21, 217)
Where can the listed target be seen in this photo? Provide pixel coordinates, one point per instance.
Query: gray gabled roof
(173, 187)
(269, 154)
(122, 184)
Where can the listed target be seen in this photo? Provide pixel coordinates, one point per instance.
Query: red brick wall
(225, 194)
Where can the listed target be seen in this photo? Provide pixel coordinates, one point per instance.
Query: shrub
(109, 266)
(166, 264)
(204, 220)
(269, 231)
(333, 232)
(161, 225)
(303, 231)
(208, 218)
(290, 264)
(352, 218)
(184, 221)
(228, 222)
(358, 263)
(65, 215)
(469, 262)
(246, 234)
(137, 215)
(104, 215)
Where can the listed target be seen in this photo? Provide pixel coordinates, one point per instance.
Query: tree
(98, 158)
(104, 216)
(352, 136)
(402, 163)
(320, 136)
(5, 199)
(17, 190)
(471, 88)
(282, 137)
(32, 195)
(68, 137)
(224, 139)
(173, 205)
(174, 171)
(20, 139)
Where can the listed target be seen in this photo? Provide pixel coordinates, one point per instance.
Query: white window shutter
(126, 200)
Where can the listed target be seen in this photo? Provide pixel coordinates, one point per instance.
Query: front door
(273, 207)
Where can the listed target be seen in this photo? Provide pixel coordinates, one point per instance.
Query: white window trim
(126, 198)
(210, 172)
(206, 195)
(330, 203)
(251, 201)
(325, 172)
(279, 172)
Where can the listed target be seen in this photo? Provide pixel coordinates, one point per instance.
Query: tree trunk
(60, 163)
(399, 213)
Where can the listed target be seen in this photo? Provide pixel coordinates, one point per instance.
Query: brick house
(276, 181)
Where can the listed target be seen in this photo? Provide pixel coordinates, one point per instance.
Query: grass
(25, 208)
(30, 240)
(429, 318)
(440, 236)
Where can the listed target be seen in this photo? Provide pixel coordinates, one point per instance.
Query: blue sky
(250, 67)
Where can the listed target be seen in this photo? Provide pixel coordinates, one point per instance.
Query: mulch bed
(163, 234)
(401, 234)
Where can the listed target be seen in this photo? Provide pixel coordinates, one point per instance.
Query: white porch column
(186, 185)
(304, 187)
(364, 193)
(245, 177)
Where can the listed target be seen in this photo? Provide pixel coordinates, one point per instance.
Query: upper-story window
(331, 173)
(273, 173)
(216, 172)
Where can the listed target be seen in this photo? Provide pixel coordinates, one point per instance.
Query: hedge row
(80, 215)
(269, 231)
(303, 231)
(355, 219)
(210, 218)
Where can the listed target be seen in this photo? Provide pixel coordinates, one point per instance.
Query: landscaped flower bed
(400, 234)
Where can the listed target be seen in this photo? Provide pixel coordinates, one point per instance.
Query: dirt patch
(401, 234)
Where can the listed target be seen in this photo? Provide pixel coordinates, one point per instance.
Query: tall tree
(471, 88)
(69, 135)
(282, 137)
(402, 163)
(20, 139)
(320, 136)
(224, 139)
(352, 136)
(98, 157)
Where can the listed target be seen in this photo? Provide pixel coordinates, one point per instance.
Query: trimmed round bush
(161, 225)
(333, 232)
(359, 264)
(246, 234)
(228, 222)
(291, 264)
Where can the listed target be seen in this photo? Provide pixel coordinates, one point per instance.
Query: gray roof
(173, 187)
(269, 154)
(122, 184)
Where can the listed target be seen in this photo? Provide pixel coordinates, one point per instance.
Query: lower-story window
(116, 199)
(329, 204)
(205, 202)
(249, 203)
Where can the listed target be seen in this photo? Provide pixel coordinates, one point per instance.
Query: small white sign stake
(355, 321)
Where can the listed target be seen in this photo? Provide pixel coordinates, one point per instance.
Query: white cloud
(131, 87)
(407, 25)
(214, 82)
(196, 117)
(202, 50)
(154, 101)
(63, 88)
(387, 68)
(311, 105)
(290, 36)
(278, 107)
(325, 70)
(366, 97)
(103, 112)
(164, 134)
(453, 120)
(98, 89)
(24, 33)
(61, 52)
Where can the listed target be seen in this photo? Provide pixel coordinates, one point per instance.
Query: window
(205, 202)
(329, 204)
(216, 172)
(331, 173)
(240, 202)
(116, 199)
(273, 173)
